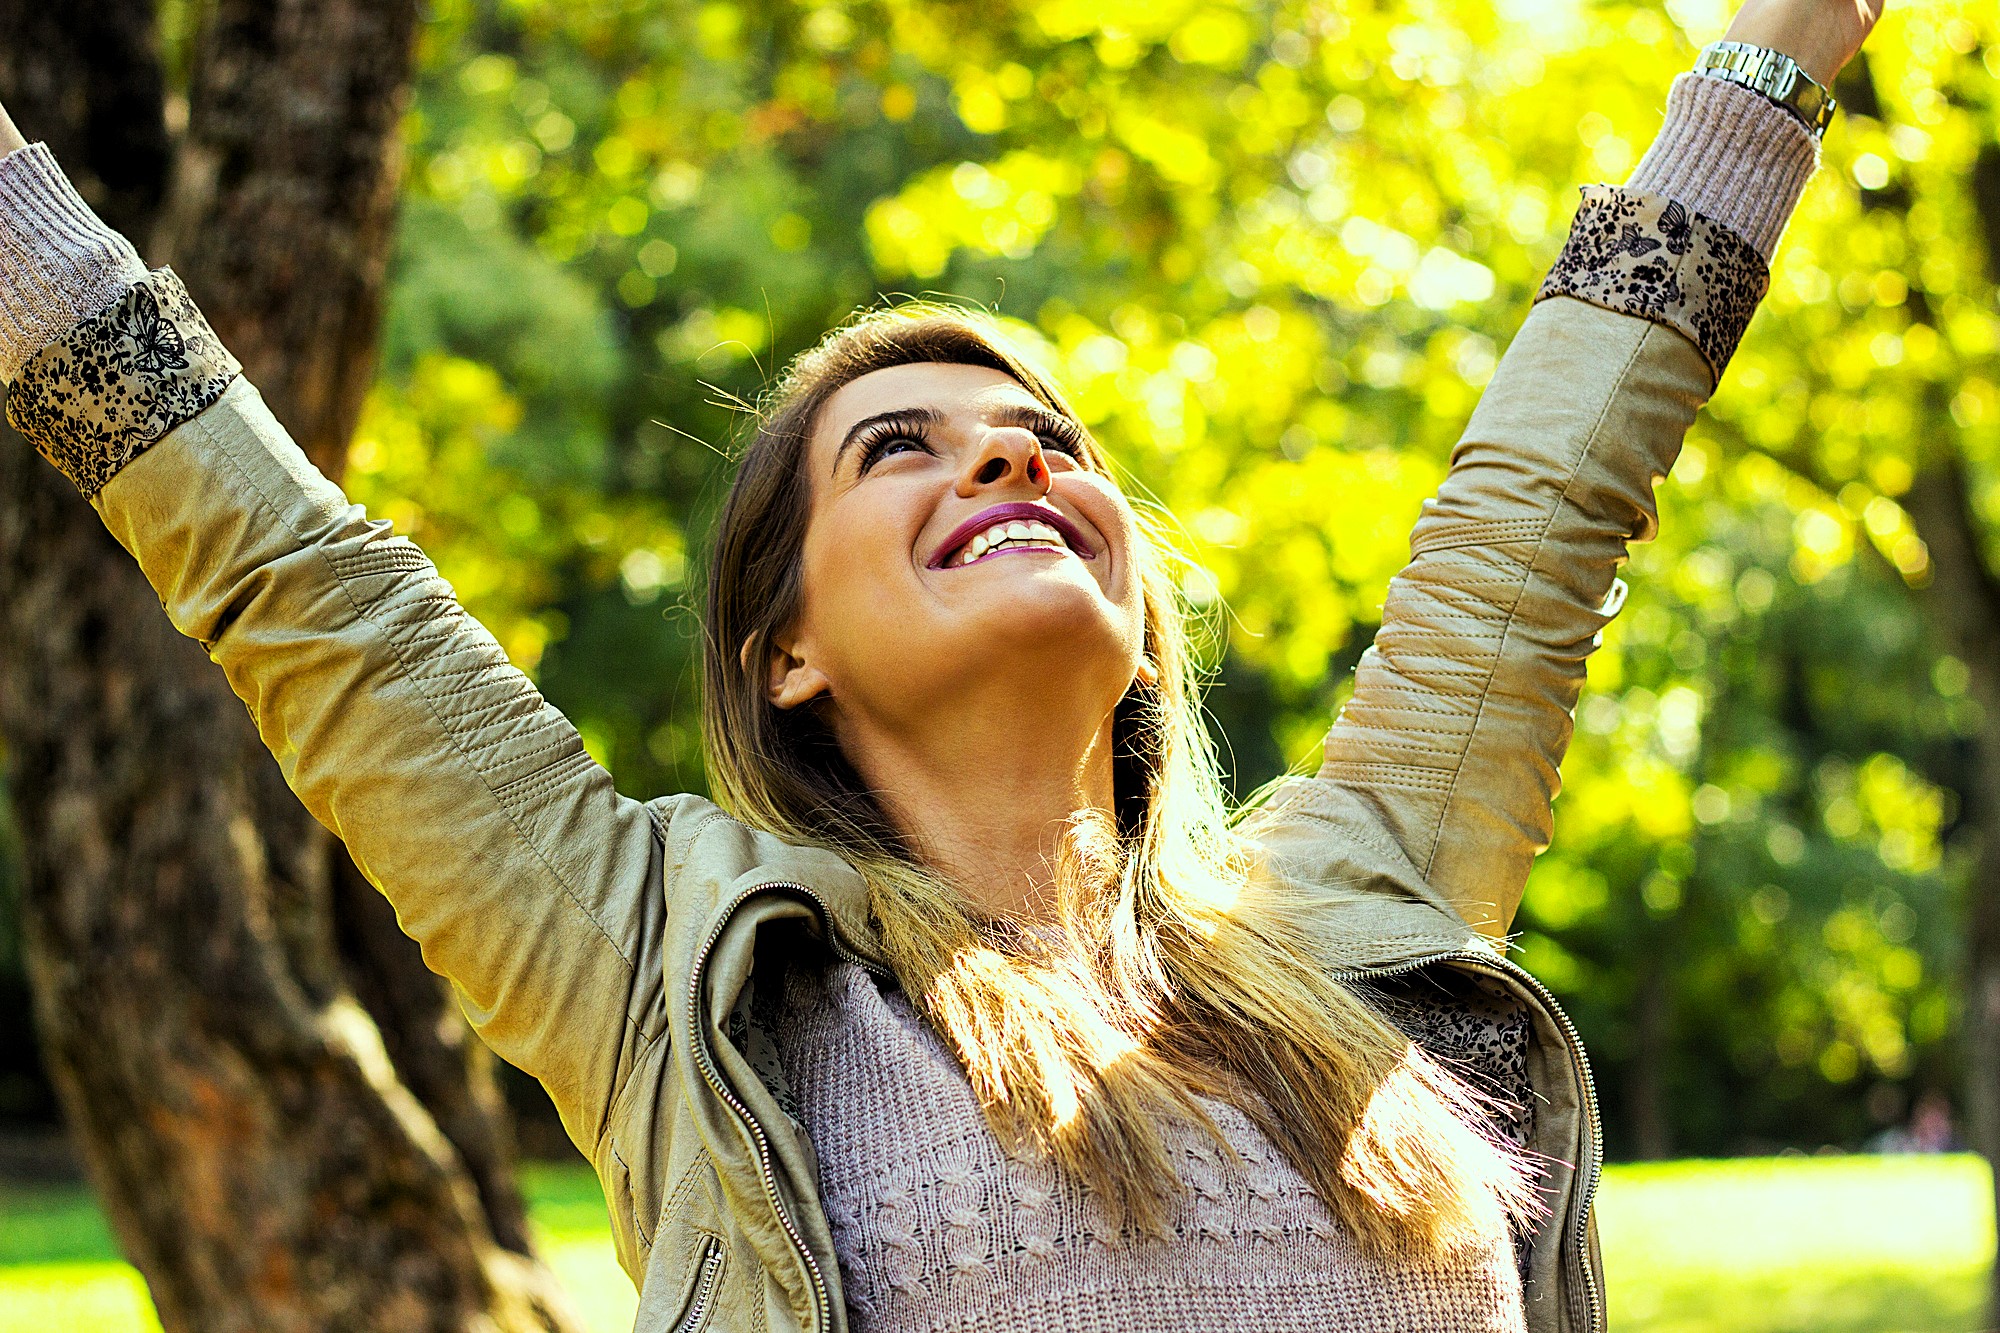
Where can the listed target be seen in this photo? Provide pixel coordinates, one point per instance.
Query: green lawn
(1786, 1245)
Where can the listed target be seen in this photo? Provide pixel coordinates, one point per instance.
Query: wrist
(1771, 75)
(1821, 35)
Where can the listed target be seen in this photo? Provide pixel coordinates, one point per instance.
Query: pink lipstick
(1017, 511)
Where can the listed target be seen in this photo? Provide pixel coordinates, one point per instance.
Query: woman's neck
(987, 806)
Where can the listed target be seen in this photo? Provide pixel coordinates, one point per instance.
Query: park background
(1273, 251)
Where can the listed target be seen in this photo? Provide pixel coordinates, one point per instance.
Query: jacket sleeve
(461, 794)
(1461, 709)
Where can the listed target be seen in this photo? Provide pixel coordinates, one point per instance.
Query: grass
(1799, 1245)
(1781, 1245)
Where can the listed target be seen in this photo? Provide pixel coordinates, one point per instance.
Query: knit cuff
(59, 264)
(1731, 155)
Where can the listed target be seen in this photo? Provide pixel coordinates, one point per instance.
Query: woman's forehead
(946, 387)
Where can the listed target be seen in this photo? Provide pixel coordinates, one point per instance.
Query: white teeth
(1002, 533)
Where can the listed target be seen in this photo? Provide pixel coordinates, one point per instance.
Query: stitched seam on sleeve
(1459, 536)
(694, 834)
(1590, 442)
(1411, 707)
(1396, 775)
(410, 679)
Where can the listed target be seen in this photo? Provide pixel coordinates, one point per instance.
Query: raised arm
(1461, 711)
(396, 717)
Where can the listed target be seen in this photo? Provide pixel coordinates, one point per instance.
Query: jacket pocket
(702, 1291)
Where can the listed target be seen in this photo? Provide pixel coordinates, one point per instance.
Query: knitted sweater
(938, 1227)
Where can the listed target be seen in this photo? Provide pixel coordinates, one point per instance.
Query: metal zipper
(704, 1291)
(822, 1295)
(1593, 1165)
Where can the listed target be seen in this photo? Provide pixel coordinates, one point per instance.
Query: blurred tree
(195, 987)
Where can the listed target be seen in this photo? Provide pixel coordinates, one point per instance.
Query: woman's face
(958, 542)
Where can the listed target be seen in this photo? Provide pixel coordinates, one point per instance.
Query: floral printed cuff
(114, 385)
(1646, 255)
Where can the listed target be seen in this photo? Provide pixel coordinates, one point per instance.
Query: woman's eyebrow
(910, 418)
(1028, 416)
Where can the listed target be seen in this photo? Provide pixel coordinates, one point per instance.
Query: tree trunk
(1652, 1126)
(241, 1117)
(1964, 601)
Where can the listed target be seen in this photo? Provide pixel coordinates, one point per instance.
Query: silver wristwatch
(1771, 73)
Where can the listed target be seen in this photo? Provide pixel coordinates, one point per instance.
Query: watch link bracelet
(1771, 73)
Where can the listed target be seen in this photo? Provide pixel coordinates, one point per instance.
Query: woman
(975, 1009)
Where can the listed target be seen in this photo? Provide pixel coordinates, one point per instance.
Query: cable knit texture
(1732, 155)
(60, 263)
(938, 1227)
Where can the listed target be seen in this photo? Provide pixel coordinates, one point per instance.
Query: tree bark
(239, 1111)
(1964, 602)
(1652, 1126)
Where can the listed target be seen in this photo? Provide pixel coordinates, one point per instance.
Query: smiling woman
(972, 1004)
(1009, 752)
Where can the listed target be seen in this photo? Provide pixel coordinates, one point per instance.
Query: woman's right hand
(1822, 35)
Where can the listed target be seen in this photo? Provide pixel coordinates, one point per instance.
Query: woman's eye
(888, 446)
(1062, 444)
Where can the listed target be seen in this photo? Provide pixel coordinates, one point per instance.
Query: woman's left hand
(1822, 35)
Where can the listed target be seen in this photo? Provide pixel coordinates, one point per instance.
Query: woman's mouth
(1015, 536)
(1010, 527)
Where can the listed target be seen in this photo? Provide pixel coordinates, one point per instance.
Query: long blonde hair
(1175, 971)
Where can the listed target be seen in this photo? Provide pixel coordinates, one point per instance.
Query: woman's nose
(1007, 455)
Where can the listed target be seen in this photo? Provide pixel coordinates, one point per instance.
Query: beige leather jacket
(606, 946)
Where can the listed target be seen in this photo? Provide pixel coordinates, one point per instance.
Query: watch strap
(1772, 73)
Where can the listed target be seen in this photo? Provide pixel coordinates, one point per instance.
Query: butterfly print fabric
(114, 385)
(1648, 256)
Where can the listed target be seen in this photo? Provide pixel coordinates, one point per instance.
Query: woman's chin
(1035, 599)
(1060, 635)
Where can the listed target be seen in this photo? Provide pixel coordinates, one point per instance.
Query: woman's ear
(1149, 672)
(789, 680)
